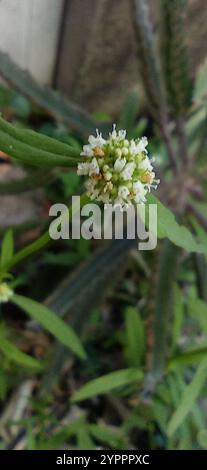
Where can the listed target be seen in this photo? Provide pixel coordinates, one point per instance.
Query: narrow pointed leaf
(188, 398)
(7, 248)
(168, 227)
(15, 355)
(52, 323)
(108, 383)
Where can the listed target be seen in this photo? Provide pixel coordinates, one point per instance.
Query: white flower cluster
(119, 171)
(5, 292)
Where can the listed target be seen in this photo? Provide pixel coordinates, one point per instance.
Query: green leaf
(189, 357)
(202, 438)
(200, 232)
(7, 248)
(197, 308)
(36, 149)
(108, 435)
(52, 323)
(107, 383)
(168, 227)
(17, 356)
(178, 316)
(84, 440)
(188, 398)
(134, 337)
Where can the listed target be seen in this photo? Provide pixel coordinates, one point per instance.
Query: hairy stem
(160, 320)
(182, 141)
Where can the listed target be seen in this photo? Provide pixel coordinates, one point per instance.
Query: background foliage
(111, 341)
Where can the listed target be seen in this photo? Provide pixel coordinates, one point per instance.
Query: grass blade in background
(189, 396)
(15, 355)
(52, 323)
(134, 337)
(7, 249)
(108, 383)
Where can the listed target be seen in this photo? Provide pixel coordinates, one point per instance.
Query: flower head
(5, 292)
(119, 171)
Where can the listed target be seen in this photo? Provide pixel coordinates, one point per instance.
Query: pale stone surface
(20, 208)
(29, 32)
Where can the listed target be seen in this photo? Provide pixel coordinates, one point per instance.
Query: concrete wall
(29, 31)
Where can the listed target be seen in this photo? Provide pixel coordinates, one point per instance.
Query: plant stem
(166, 134)
(182, 140)
(160, 320)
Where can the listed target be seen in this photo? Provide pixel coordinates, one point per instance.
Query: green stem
(162, 317)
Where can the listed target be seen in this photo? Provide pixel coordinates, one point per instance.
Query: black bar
(86, 459)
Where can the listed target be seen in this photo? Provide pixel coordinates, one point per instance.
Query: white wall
(29, 33)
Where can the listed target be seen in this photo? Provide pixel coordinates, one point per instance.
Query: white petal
(121, 134)
(83, 169)
(142, 144)
(94, 168)
(119, 164)
(123, 192)
(128, 171)
(87, 151)
(145, 165)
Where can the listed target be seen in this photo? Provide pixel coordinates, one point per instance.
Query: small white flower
(142, 144)
(113, 134)
(128, 171)
(94, 141)
(133, 147)
(83, 168)
(97, 141)
(123, 192)
(145, 165)
(119, 164)
(5, 292)
(138, 147)
(119, 170)
(94, 168)
(120, 135)
(140, 192)
(87, 151)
